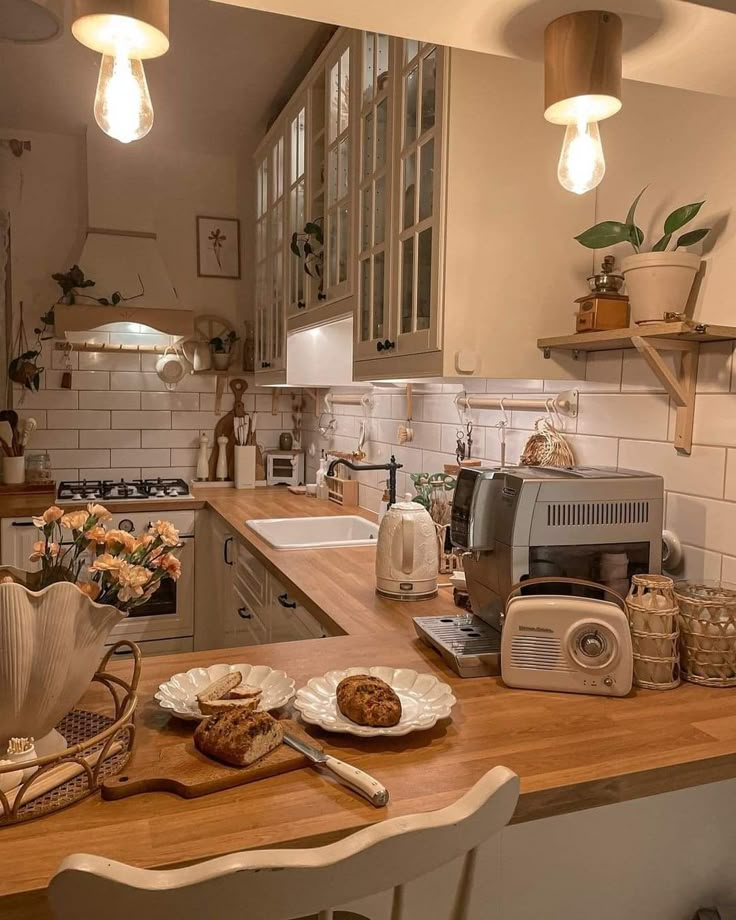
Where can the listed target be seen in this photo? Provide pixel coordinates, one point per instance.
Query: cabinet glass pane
(278, 226)
(343, 242)
(365, 219)
(411, 49)
(381, 62)
(343, 169)
(409, 189)
(318, 167)
(424, 278)
(332, 169)
(368, 145)
(429, 82)
(381, 133)
(369, 42)
(380, 212)
(378, 295)
(296, 164)
(333, 89)
(410, 106)
(332, 246)
(344, 90)
(365, 294)
(426, 179)
(407, 283)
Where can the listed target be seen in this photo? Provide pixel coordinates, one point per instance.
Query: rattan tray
(98, 746)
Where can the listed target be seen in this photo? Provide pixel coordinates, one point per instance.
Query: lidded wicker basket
(707, 614)
(653, 620)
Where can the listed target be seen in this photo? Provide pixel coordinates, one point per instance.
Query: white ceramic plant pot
(221, 360)
(51, 642)
(659, 282)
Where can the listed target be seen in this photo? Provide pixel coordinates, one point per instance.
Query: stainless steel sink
(315, 532)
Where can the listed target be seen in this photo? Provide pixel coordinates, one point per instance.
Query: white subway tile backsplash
(132, 380)
(171, 472)
(109, 361)
(728, 569)
(730, 490)
(702, 522)
(183, 456)
(627, 415)
(43, 439)
(187, 401)
(71, 458)
(637, 376)
(203, 421)
(109, 399)
(51, 399)
(715, 367)
(143, 457)
(154, 419)
(715, 419)
(90, 380)
(114, 472)
(594, 451)
(169, 437)
(700, 473)
(110, 438)
(82, 418)
(699, 564)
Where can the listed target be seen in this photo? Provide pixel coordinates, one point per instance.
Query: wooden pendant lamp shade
(144, 24)
(582, 67)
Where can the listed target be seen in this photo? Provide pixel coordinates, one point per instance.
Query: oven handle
(225, 555)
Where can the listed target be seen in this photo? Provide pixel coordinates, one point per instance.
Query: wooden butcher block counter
(572, 752)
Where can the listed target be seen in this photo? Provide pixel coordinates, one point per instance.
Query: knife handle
(361, 782)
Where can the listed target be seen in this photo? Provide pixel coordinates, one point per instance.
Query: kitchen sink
(315, 532)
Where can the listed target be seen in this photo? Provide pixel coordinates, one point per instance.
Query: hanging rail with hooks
(564, 403)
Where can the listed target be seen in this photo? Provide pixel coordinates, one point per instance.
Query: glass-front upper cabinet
(299, 263)
(337, 231)
(419, 195)
(374, 139)
(275, 302)
(262, 309)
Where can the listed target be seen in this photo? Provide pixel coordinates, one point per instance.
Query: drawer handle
(22, 524)
(244, 613)
(225, 554)
(285, 602)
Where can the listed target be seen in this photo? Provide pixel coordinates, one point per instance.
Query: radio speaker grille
(597, 514)
(539, 653)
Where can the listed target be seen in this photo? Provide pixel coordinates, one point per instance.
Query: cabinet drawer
(157, 647)
(251, 574)
(313, 628)
(249, 616)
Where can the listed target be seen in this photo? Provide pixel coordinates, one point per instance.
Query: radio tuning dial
(592, 645)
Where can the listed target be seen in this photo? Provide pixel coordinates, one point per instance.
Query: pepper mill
(203, 467)
(221, 470)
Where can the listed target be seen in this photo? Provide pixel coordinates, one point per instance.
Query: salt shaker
(221, 470)
(203, 468)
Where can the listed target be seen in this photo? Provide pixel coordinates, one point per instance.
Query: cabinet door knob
(300, 305)
(285, 602)
(244, 613)
(321, 295)
(386, 345)
(265, 364)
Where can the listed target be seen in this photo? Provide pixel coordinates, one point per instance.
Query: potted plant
(309, 247)
(222, 347)
(54, 622)
(658, 281)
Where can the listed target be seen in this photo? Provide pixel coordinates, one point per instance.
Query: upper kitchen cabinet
(270, 281)
(465, 238)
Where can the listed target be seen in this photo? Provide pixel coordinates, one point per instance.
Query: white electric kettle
(407, 553)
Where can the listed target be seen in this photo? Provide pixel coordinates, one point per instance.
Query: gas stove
(142, 490)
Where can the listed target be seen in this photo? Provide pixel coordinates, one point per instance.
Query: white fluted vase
(51, 642)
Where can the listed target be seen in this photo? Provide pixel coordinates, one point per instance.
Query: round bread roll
(368, 700)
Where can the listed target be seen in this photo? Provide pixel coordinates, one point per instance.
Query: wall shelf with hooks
(650, 341)
(565, 403)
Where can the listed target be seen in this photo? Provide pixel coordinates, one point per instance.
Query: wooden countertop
(572, 752)
(18, 506)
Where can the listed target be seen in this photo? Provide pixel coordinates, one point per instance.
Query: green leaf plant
(610, 232)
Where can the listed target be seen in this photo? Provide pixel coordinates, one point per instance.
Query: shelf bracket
(680, 389)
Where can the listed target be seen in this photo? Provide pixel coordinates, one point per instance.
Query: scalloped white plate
(424, 700)
(179, 694)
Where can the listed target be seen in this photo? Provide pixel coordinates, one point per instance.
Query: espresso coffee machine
(519, 523)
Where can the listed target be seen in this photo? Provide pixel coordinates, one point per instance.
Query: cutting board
(186, 772)
(225, 426)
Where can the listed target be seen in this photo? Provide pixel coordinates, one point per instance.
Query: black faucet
(391, 468)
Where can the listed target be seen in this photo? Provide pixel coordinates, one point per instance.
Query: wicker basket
(653, 620)
(707, 632)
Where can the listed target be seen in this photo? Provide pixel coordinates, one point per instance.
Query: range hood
(121, 245)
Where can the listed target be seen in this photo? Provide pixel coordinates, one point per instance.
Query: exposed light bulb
(123, 106)
(582, 165)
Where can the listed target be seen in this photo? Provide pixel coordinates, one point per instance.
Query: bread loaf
(368, 700)
(238, 737)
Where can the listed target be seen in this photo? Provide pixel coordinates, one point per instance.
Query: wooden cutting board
(226, 426)
(183, 770)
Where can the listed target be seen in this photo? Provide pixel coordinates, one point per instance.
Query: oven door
(170, 612)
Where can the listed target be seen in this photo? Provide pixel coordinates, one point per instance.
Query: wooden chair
(283, 884)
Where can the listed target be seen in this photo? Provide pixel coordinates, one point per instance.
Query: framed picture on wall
(218, 247)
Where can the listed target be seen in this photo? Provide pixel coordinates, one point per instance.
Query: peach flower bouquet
(110, 566)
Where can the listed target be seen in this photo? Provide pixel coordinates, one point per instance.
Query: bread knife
(360, 782)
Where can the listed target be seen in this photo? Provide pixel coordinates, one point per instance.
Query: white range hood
(121, 240)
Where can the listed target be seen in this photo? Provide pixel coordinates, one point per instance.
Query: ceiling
(672, 42)
(228, 71)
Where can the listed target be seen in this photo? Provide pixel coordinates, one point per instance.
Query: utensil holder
(245, 467)
(655, 635)
(14, 470)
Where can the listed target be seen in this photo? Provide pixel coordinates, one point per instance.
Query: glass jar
(38, 468)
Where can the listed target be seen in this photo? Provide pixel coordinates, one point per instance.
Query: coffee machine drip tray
(469, 645)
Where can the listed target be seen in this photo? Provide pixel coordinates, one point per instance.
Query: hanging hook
(461, 410)
(505, 420)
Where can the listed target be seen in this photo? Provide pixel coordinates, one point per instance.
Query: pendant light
(125, 33)
(582, 86)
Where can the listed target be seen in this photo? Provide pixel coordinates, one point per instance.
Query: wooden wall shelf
(650, 341)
